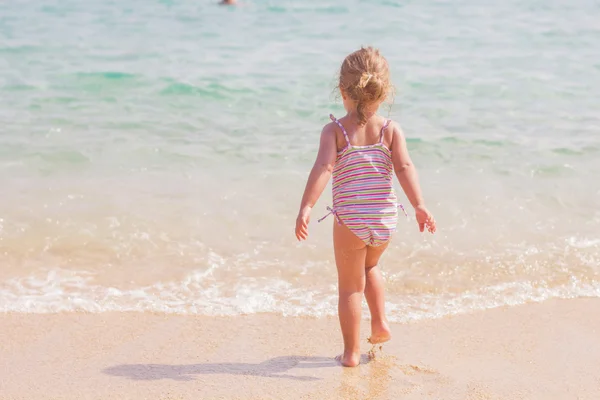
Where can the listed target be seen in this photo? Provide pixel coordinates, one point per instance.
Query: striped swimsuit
(363, 194)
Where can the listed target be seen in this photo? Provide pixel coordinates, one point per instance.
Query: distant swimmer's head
(364, 82)
(228, 2)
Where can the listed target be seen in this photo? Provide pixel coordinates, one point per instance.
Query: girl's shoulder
(388, 125)
(388, 122)
(391, 132)
(392, 127)
(330, 126)
(330, 129)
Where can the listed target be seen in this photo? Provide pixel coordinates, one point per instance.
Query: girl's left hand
(425, 219)
(302, 223)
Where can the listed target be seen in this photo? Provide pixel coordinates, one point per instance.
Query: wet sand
(537, 351)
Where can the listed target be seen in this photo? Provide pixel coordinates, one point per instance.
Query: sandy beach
(536, 351)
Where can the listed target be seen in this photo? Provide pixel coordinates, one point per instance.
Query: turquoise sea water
(153, 154)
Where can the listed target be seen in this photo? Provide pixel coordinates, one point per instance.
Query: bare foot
(380, 333)
(349, 359)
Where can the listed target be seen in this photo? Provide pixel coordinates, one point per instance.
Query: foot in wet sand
(349, 359)
(380, 333)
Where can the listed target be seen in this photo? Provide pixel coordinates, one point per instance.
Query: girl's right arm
(409, 180)
(317, 180)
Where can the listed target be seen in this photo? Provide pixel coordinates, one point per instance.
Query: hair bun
(364, 80)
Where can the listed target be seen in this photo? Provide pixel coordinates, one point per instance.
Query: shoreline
(543, 350)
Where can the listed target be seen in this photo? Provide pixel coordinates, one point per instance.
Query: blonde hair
(365, 78)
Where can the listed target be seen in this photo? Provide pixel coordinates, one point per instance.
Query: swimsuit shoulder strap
(341, 127)
(385, 125)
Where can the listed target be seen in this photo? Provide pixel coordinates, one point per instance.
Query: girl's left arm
(317, 180)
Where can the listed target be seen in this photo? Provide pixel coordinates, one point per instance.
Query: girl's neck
(353, 115)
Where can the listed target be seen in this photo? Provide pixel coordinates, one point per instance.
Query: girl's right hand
(302, 223)
(425, 219)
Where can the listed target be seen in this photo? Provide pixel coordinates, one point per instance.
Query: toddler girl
(362, 150)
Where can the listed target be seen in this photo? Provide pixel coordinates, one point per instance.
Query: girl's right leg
(375, 294)
(350, 253)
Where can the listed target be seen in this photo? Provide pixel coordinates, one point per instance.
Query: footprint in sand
(418, 376)
(415, 369)
(409, 379)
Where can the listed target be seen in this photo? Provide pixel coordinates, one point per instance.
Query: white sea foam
(583, 243)
(63, 291)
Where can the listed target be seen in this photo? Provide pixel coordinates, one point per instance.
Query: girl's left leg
(350, 253)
